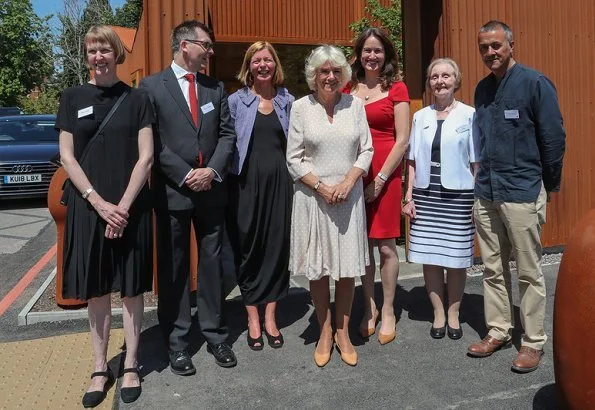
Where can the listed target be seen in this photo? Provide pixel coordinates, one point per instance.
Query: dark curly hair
(390, 71)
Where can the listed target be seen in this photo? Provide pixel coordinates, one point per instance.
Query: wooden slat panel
(557, 39)
(286, 21)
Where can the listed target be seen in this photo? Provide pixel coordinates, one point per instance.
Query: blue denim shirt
(243, 106)
(521, 136)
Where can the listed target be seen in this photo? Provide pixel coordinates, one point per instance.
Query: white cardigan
(458, 149)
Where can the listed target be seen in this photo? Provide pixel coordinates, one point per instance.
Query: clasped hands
(334, 194)
(116, 217)
(199, 179)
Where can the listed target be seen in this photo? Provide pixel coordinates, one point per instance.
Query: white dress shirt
(180, 72)
(458, 149)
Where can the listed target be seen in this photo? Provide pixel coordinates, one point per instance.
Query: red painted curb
(13, 295)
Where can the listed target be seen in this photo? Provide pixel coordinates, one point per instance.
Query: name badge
(511, 114)
(207, 108)
(85, 111)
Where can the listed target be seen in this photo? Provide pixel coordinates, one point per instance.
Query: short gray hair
(450, 62)
(321, 55)
(493, 25)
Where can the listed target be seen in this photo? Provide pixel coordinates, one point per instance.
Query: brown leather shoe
(527, 360)
(487, 346)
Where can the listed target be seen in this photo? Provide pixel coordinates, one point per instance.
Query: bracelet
(407, 200)
(382, 176)
(87, 192)
(317, 185)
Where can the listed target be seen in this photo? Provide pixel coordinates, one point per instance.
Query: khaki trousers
(504, 228)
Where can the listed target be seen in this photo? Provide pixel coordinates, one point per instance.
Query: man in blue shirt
(522, 139)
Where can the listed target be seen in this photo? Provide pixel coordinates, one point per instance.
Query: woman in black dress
(261, 191)
(108, 237)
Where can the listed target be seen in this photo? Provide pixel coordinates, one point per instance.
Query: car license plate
(22, 178)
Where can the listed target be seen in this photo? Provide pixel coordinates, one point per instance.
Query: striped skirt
(442, 233)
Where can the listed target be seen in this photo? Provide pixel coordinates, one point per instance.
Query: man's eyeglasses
(204, 44)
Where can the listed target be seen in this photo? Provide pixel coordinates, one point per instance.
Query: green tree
(25, 50)
(44, 103)
(389, 18)
(77, 18)
(129, 14)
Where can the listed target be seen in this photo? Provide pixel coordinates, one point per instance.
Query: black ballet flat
(130, 394)
(455, 334)
(252, 343)
(94, 398)
(438, 332)
(275, 342)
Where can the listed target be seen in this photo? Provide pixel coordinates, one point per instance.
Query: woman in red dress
(377, 81)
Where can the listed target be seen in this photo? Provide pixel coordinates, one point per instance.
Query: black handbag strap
(103, 124)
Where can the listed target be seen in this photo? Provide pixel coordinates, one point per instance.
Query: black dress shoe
(223, 354)
(438, 332)
(455, 334)
(94, 398)
(181, 363)
(130, 394)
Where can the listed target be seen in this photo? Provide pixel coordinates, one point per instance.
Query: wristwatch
(317, 185)
(382, 176)
(87, 192)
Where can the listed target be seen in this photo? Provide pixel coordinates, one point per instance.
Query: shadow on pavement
(17, 204)
(546, 398)
(153, 351)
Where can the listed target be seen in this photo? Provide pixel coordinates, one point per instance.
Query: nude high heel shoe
(365, 333)
(385, 339)
(321, 359)
(348, 358)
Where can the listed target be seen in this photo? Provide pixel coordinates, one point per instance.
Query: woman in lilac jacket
(261, 190)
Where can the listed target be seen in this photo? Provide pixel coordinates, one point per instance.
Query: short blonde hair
(245, 76)
(321, 55)
(105, 34)
(452, 63)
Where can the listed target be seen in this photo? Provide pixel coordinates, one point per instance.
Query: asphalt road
(414, 372)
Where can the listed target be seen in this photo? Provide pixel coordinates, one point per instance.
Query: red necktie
(192, 97)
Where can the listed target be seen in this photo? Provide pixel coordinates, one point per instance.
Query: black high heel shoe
(252, 343)
(438, 332)
(94, 398)
(275, 342)
(130, 394)
(455, 334)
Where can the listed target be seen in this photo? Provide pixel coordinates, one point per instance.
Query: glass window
(28, 130)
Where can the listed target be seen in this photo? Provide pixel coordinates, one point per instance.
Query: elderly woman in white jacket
(439, 197)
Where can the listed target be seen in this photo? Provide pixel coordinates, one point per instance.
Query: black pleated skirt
(94, 265)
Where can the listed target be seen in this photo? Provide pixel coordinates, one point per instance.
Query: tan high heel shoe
(348, 358)
(388, 337)
(385, 339)
(321, 359)
(365, 333)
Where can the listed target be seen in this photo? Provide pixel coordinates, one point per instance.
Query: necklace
(371, 92)
(446, 109)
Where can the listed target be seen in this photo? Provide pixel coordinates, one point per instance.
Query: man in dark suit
(195, 139)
